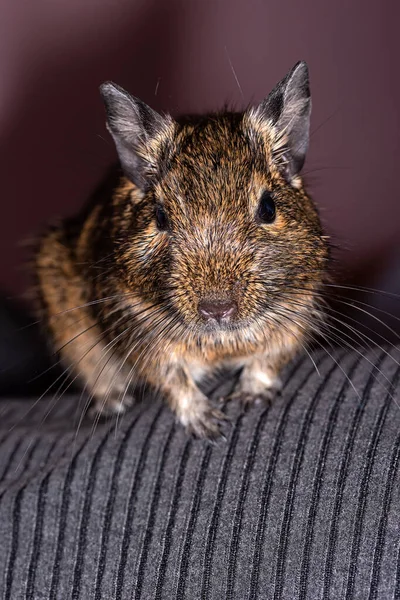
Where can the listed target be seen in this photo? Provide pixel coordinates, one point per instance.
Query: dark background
(194, 55)
(177, 56)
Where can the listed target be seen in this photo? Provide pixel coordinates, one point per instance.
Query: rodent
(204, 250)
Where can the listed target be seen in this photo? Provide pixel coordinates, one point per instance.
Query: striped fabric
(301, 502)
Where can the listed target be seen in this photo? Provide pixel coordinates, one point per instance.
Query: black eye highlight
(266, 211)
(161, 218)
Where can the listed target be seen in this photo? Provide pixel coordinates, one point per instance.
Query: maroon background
(177, 56)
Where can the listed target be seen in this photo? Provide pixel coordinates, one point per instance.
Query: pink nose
(217, 310)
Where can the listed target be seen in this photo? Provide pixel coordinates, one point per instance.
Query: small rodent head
(217, 226)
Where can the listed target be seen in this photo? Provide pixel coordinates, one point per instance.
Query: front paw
(115, 403)
(203, 421)
(256, 390)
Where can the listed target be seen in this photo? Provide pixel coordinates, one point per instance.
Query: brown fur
(120, 297)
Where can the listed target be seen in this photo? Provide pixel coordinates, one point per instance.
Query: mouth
(213, 326)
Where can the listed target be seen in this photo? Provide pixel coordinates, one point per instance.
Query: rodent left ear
(287, 109)
(138, 132)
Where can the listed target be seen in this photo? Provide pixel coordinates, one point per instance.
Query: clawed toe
(257, 397)
(207, 424)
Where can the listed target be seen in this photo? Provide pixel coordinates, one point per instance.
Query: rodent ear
(288, 110)
(138, 132)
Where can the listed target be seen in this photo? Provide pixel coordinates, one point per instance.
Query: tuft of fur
(120, 296)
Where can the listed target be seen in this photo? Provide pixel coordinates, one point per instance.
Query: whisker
(169, 327)
(339, 338)
(234, 72)
(137, 330)
(108, 347)
(360, 334)
(133, 326)
(355, 288)
(325, 349)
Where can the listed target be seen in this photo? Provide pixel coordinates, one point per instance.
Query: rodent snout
(217, 310)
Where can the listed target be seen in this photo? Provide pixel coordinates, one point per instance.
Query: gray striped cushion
(301, 501)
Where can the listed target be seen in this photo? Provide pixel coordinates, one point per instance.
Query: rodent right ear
(138, 132)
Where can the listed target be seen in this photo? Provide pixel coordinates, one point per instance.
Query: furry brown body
(127, 288)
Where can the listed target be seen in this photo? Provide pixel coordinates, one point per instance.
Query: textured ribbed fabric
(301, 502)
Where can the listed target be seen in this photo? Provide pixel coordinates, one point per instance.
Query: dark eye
(266, 209)
(161, 218)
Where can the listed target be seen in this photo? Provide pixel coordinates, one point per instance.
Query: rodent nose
(217, 309)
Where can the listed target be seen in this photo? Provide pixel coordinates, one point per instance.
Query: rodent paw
(207, 423)
(251, 392)
(260, 399)
(113, 405)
